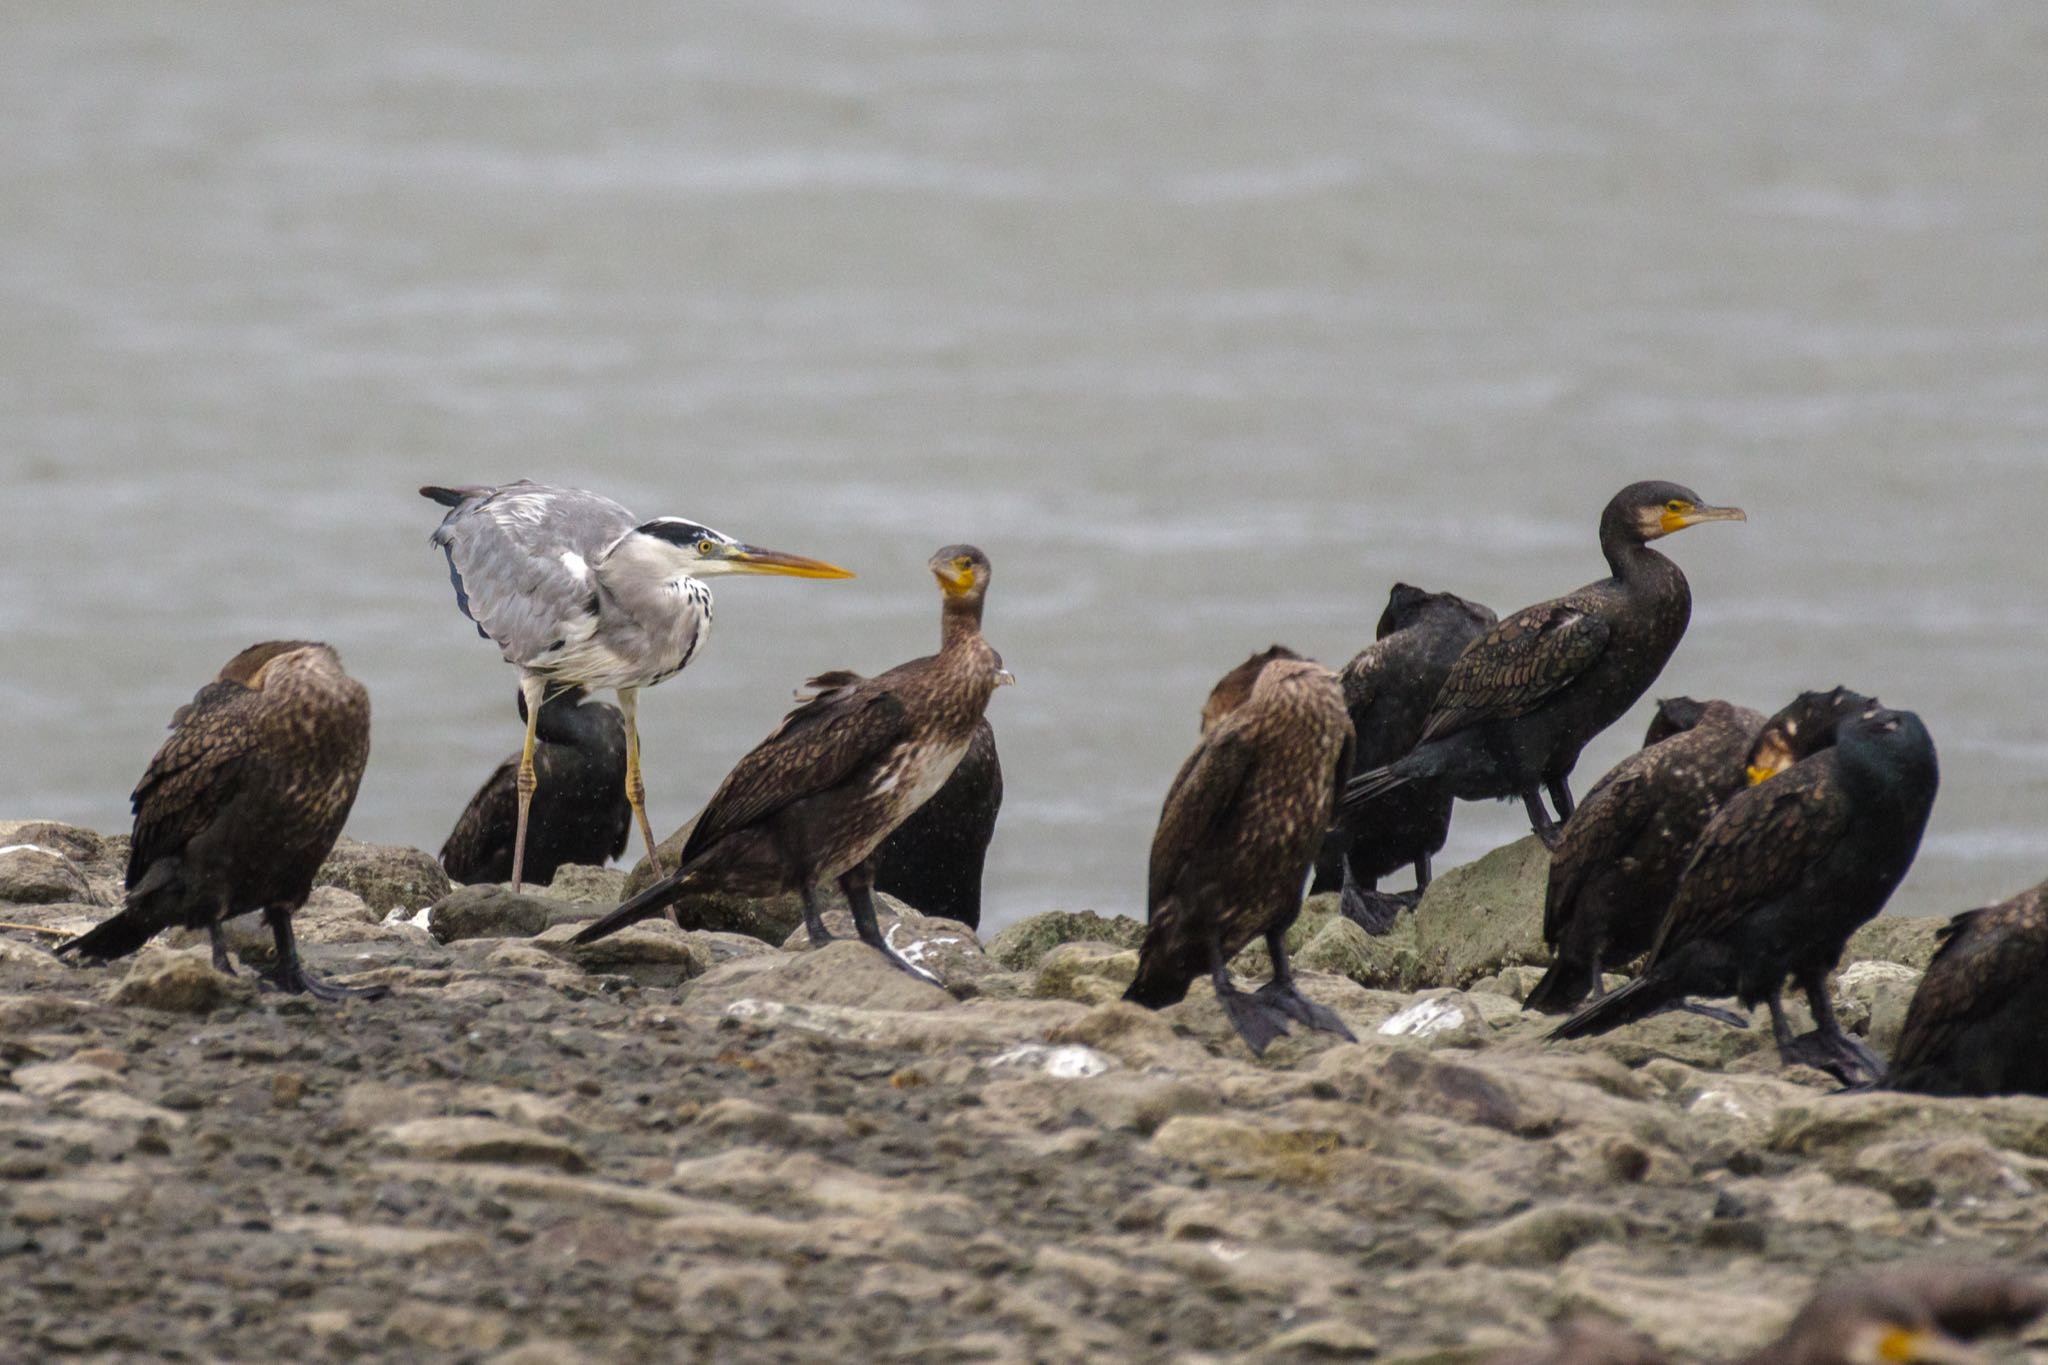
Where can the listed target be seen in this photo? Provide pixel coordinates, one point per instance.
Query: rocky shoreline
(699, 1145)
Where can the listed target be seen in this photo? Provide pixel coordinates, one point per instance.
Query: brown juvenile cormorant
(575, 590)
(933, 861)
(1782, 876)
(1524, 699)
(814, 800)
(1240, 827)
(242, 804)
(580, 813)
(1388, 688)
(1619, 857)
(1978, 1025)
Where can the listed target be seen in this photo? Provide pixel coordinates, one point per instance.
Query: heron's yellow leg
(636, 792)
(533, 690)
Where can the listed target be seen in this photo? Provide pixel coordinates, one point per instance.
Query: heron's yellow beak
(754, 559)
(1697, 513)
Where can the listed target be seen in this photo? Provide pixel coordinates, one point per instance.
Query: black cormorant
(580, 813)
(1240, 827)
(242, 804)
(1978, 1025)
(1782, 876)
(933, 861)
(813, 801)
(1619, 857)
(1524, 699)
(1388, 688)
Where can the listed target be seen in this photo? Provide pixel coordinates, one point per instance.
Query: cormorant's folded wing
(1203, 792)
(818, 746)
(1511, 669)
(194, 774)
(1756, 849)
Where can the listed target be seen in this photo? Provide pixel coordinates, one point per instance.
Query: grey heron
(578, 592)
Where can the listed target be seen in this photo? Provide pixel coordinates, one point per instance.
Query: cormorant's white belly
(913, 775)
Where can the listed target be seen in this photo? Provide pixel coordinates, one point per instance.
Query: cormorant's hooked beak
(1923, 1346)
(1773, 755)
(754, 559)
(1005, 678)
(954, 582)
(1697, 513)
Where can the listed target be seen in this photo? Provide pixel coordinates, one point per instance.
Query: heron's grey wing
(1203, 793)
(520, 559)
(818, 746)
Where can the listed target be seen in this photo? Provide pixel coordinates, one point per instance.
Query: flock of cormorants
(1731, 854)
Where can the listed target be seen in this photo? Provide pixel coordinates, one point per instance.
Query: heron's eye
(1676, 505)
(704, 547)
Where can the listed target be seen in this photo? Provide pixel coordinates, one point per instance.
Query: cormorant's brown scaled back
(243, 803)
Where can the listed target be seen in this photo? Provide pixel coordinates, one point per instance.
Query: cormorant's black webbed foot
(290, 974)
(860, 899)
(1287, 998)
(1279, 999)
(1372, 911)
(1841, 1057)
(1254, 1017)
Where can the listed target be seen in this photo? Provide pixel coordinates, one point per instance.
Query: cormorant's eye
(1676, 505)
(704, 547)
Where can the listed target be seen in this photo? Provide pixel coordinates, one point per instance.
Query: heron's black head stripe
(677, 531)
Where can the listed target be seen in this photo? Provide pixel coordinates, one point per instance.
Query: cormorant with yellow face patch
(1524, 699)
(1896, 1315)
(1906, 1315)
(242, 804)
(1240, 827)
(1618, 861)
(813, 801)
(1781, 877)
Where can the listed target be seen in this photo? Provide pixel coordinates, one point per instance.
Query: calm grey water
(1207, 320)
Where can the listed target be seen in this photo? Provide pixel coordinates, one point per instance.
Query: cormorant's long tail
(1639, 999)
(1562, 987)
(1419, 765)
(646, 905)
(1157, 989)
(1166, 964)
(117, 936)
